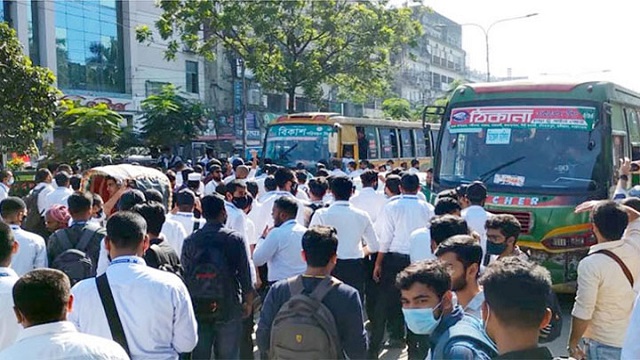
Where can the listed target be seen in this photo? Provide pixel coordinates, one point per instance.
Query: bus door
(349, 140)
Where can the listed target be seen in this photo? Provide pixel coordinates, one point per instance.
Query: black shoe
(394, 344)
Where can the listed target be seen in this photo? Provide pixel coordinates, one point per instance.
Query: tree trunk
(292, 100)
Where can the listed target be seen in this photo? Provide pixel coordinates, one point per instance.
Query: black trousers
(246, 342)
(371, 288)
(351, 272)
(388, 310)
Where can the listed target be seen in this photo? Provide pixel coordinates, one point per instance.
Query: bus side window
(371, 136)
(388, 143)
(363, 144)
(407, 142)
(395, 143)
(421, 143)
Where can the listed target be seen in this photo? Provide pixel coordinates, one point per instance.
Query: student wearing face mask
(235, 201)
(428, 310)
(6, 180)
(502, 233)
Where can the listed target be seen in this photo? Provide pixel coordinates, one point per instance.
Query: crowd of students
(326, 269)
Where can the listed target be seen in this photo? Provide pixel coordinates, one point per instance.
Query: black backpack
(34, 222)
(314, 207)
(211, 283)
(74, 261)
(164, 261)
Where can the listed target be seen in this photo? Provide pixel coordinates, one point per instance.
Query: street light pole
(486, 35)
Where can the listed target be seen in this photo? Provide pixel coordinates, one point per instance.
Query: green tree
(295, 44)
(27, 96)
(397, 108)
(170, 118)
(86, 134)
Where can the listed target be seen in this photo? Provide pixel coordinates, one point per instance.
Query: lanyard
(2, 274)
(123, 260)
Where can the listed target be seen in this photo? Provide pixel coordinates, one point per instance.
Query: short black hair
(632, 202)
(270, 183)
(447, 206)
(320, 244)
(41, 175)
(126, 229)
(611, 220)
(415, 162)
(450, 193)
(64, 167)
(153, 195)
(476, 192)
(6, 242)
(516, 291)
(75, 181)
(212, 206)
(318, 186)
(213, 166)
(288, 205)
(131, 198)
(4, 175)
(392, 182)
(322, 173)
(431, 273)
(352, 164)
(342, 188)
(97, 200)
(62, 178)
(171, 175)
(221, 189)
(11, 206)
(80, 203)
(252, 188)
(508, 225)
(185, 197)
(467, 250)
(429, 170)
(301, 176)
(368, 177)
(283, 176)
(153, 214)
(42, 295)
(446, 226)
(234, 185)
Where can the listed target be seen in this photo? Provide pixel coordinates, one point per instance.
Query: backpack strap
(196, 226)
(296, 287)
(85, 238)
(110, 309)
(63, 236)
(161, 256)
(617, 259)
(324, 287)
(466, 328)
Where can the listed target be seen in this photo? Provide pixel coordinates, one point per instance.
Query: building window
(192, 77)
(34, 43)
(154, 87)
(5, 11)
(89, 46)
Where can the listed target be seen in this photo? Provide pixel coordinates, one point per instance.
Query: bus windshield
(523, 148)
(290, 144)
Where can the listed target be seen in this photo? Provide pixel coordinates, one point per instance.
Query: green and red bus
(541, 149)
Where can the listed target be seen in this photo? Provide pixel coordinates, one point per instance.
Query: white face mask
(11, 181)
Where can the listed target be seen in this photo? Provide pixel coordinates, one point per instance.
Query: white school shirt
(58, 196)
(353, 226)
(9, 327)
(61, 340)
(211, 186)
(187, 220)
(32, 252)
(420, 248)
(237, 220)
(369, 201)
(174, 233)
(281, 250)
(4, 191)
(262, 217)
(631, 346)
(154, 307)
(398, 219)
(476, 218)
(42, 196)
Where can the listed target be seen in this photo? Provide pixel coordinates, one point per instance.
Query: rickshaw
(133, 176)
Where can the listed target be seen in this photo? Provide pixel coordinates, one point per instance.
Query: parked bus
(310, 137)
(541, 149)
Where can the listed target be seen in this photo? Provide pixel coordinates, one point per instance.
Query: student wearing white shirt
(44, 187)
(368, 199)
(463, 254)
(422, 244)
(154, 306)
(398, 219)
(355, 234)
(42, 301)
(285, 181)
(475, 214)
(415, 167)
(185, 202)
(60, 195)
(215, 172)
(6, 180)
(236, 202)
(32, 252)
(604, 300)
(281, 247)
(9, 327)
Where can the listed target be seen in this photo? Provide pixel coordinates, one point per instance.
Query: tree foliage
(86, 133)
(27, 96)
(397, 108)
(290, 44)
(170, 118)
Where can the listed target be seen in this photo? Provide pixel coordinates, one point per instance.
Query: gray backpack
(304, 328)
(74, 261)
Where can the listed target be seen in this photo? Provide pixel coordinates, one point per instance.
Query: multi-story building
(425, 71)
(92, 49)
